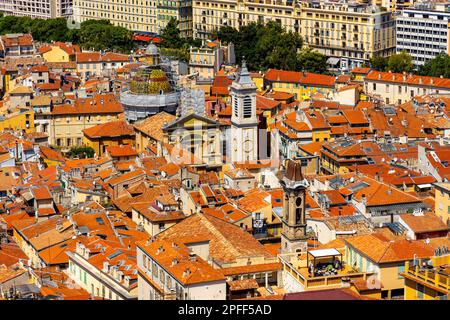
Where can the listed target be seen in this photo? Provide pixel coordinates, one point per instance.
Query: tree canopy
(439, 66)
(81, 152)
(174, 44)
(93, 34)
(400, 62)
(269, 45)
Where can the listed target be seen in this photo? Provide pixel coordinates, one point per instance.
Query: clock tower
(293, 236)
(244, 123)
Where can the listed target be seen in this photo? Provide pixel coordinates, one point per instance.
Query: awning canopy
(333, 61)
(319, 253)
(425, 185)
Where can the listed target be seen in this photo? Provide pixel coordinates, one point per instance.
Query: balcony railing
(429, 276)
(300, 273)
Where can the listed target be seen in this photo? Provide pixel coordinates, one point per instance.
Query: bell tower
(244, 122)
(293, 235)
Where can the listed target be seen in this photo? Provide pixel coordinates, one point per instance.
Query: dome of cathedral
(152, 49)
(150, 81)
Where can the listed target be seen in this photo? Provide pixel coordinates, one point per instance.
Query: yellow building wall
(51, 163)
(259, 82)
(300, 92)
(19, 122)
(72, 126)
(56, 55)
(97, 144)
(442, 205)
(411, 292)
(321, 135)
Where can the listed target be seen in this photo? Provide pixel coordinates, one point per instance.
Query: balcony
(431, 277)
(297, 267)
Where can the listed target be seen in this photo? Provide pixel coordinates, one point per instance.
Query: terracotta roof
(67, 47)
(299, 77)
(115, 57)
(152, 126)
(381, 250)
(361, 70)
(121, 151)
(11, 40)
(42, 193)
(99, 104)
(408, 79)
(110, 129)
(83, 57)
(152, 213)
(173, 256)
(245, 284)
(428, 222)
(227, 242)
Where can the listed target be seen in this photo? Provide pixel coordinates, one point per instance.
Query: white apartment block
(398, 88)
(43, 9)
(423, 32)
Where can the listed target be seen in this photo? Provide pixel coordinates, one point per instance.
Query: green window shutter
(85, 278)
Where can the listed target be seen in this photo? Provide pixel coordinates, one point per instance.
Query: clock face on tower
(248, 145)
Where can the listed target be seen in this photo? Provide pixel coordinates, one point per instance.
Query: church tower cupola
(244, 122)
(294, 237)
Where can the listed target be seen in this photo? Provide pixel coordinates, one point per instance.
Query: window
(247, 107)
(235, 107)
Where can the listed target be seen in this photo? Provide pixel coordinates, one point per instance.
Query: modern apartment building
(351, 33)
(137, 15)
(43, 9)
(423, 31)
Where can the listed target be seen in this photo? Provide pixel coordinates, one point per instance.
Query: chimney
(363, 199)
(105, 266)
(186, 272)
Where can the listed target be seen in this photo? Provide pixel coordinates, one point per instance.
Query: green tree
(439, 66)
(81, 152)
(226, 34)
(102, 35)
(379, 63)
(171, 35)
(400, 62)
(263, 45)
(312, 61)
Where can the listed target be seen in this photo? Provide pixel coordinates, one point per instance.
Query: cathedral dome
(152, 49)
(150, 81)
